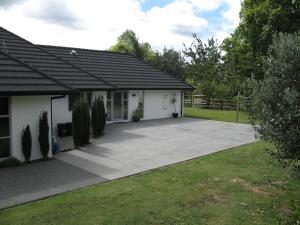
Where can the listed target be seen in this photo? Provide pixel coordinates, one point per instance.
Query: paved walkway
(126, 149)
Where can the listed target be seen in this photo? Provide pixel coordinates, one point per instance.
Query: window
(4, 127)
(72, 100)
(125, 105)
(108, 106)
(165, 102)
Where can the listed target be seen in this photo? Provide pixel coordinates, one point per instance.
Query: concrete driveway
(125, 149)
(130, 148)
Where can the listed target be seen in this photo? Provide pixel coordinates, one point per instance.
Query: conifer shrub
(98, 117)
(81, 123)
(26, 143)
(44, 134)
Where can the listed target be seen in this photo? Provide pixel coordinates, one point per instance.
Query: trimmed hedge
(26, 143)
(81, 123)
(98, 117)
(44, 134)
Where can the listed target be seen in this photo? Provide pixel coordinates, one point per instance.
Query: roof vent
(73, 52)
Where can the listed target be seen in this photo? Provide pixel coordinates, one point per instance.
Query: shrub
(44, 134)
(10, 162)
(137, 114)
(81, 123)
(26, 143)
(87, 123)
(274, 105)
(98, 117)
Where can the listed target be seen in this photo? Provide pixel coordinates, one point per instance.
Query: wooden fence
(202, 101)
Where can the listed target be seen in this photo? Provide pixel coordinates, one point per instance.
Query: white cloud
(97, 23)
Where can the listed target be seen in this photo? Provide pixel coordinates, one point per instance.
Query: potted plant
(137, 115)
(173, 101)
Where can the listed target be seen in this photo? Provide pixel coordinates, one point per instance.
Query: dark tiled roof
(121, 70)
(18, 78)
(49, 64)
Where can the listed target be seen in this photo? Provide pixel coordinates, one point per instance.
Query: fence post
(237, 107)
(192, 99)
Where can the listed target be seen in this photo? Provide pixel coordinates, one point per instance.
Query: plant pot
(136, 118)
(175, 115)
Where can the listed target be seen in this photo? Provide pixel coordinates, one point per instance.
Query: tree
(204, 60)
(274, 104)
(129, 43)
(249, 44)
(171, 62)
(44, 134)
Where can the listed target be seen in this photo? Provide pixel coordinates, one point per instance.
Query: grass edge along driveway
(213, 114)
(237, 186)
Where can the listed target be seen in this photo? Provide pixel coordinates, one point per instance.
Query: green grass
(212, 114)
(239, 186)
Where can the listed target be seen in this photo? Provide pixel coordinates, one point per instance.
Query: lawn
(212, 114)
(238, 186)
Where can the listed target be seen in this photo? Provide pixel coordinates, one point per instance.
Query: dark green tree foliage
(81, 123)
(249, 44)
(129, 43)
(98, 117)
(26, 143)
(204, 60)
(44, 134)
(171, 62)
(205, 70)
(274, 105)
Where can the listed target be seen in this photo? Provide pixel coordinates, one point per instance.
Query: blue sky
(148, 4)
(97, 23)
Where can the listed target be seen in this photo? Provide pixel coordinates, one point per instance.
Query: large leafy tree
(248, 45)
(204, 60)
(128, 42)
(170, 61)
(205, 69)
(274, 105)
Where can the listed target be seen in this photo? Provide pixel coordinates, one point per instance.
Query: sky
(96, 24)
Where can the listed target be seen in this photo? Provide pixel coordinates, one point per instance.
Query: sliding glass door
(117, 105)
(4, 127)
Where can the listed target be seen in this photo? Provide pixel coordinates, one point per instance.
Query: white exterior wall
(26, 110)
(133, 102)
(60, 112)
(153, 104)
(60, 109)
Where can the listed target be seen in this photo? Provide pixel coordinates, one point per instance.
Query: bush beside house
(44, 134)
(98, 119)
(26, 143)
(81, 123)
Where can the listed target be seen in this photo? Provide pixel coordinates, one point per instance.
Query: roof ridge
(36, 70)
(53, 55)
(87, 49)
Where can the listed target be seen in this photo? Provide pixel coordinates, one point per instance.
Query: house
(35, 78)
